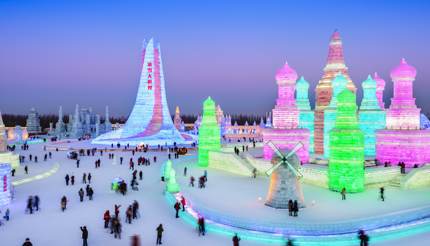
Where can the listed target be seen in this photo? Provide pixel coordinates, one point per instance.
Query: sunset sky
(88, 52)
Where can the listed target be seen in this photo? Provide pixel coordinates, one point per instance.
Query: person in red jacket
(183, 202)
(106, 218)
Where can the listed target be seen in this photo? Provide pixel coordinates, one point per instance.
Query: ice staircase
(397, 181)
(229, 162)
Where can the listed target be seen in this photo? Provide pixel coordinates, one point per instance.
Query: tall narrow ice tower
(335, 64)
(149, 121)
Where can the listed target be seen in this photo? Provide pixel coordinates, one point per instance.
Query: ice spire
(1, 120)
(60, 114)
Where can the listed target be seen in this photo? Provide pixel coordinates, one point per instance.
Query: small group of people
(97, 163)
(86, 178)
(111, 156)
(33, 203)
(89, 193)
(293, 208)
(69, 178)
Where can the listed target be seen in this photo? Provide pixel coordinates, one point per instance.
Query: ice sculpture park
(302, 175)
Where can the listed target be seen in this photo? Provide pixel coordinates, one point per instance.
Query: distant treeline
(21, 120)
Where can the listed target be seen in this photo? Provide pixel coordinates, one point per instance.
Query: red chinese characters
(149, 69)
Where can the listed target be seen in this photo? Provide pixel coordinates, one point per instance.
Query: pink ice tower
(403, 140)
(286, 113)
(285, 133)
(380, 86)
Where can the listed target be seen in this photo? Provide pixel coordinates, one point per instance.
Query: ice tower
(338, 85)
(286, 133)
(380, 86)
(346, 162)
(323, 92)
(403, 140)
(150, 121)
(306, 115)
(371, 116)
(209, 133)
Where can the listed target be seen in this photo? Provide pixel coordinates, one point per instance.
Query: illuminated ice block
(323, 92)
(403, 140)
(286, 132)
(150, 121)
(346, 162)
(371, 116)
(209, 133)
(338, 85)
(306, 115)
(5, 184)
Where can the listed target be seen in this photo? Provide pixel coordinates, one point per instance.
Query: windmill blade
(295, 171)
(298, 146)
(275, 149)
(270, 171)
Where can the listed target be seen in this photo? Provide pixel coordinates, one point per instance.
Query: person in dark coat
(290, 207)
(81, 195)
(364, 239)
(177, 206)
(160, 231)
(67, 178)
(381, 193)
(201, 224)
(235, 240)
(63, 203)
(295, 208)
(72, 180)
(27, 242)
(84, 236)
(343, 193)
(36, 203)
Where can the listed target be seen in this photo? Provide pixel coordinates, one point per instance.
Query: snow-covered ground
(50, 226)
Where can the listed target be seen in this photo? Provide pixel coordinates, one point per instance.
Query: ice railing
(380, 223)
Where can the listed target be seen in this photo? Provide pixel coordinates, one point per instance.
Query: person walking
(106, 218)
(63, 203)
(36, 202)
(67, 178)
(295, 208)
(27, 242)
(201, 224)
(84, 236)
(343, 193)
(84, 178)
(177, 206)
(185, 171)
(381, 193)
(72, 180)
(160, 231)
(81, 195)
(89, 178)
(183, 202)
(290, 207)
(236, 240)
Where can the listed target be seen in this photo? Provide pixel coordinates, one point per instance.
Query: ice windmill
(284, 178)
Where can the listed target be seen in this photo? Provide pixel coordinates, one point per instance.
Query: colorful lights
(323, 91)
(371, 116)
(346, 162)
(209, 133)
(5, 178)
(306, 115)
(403, 141)
(286, 132)
(150, 121)
(338, 85)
